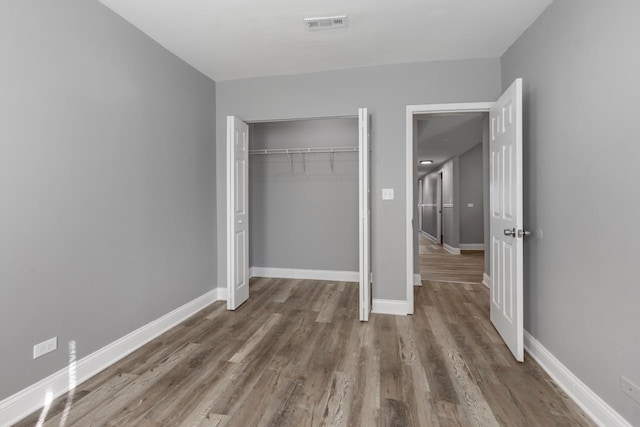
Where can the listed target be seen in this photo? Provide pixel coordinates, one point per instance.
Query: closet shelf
(304, 150)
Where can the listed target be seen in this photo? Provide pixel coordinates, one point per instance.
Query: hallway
(439, 265)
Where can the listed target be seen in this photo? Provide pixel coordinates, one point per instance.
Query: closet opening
(303, 198)
(299, 215)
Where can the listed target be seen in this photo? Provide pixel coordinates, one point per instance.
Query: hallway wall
(471, 192)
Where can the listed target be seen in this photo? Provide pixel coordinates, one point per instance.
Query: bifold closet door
(237, 212)
(365, 215)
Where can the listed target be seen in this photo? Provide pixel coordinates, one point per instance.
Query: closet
(298, 202)
(303, 194)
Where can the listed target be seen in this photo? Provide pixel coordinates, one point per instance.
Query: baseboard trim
(451, 249)
(429, 236)
(390, 306)
(486, 280)
(32, 398)
(294, 273)
(417, 279)
(587, 399)
(472, 246)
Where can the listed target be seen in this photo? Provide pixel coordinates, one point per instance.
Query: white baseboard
(32, 398)
(472, 246)
(390, 306)
(451, 249)
(486, 280)
(417, 279)
(294, 273)
(429, 236)
(590, 402)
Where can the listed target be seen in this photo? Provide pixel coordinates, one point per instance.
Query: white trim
(222, 294)
(429, 236)
(472, 246)
(294, 273)
(451, 249)
(579, 392)
(429, 205)
(390, 306)
(447, 205)
(30, 399)
(486, 280)
(409, 235)
(417, 279)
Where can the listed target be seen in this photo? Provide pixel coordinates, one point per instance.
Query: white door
(439, 208)
(237, 212)
(420, 206)
(365, 216)
(506, 218)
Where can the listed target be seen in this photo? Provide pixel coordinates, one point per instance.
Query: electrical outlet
(632, 390)
(45, 347)
(387, 194)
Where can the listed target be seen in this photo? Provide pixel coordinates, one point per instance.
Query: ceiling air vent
(326, 23)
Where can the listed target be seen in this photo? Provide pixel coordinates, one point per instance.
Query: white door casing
(237, 212)
(506, 219)
(365, 216)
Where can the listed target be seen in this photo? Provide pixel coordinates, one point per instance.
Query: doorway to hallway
(436, 264)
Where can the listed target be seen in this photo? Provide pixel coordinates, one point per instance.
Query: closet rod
(304, 150)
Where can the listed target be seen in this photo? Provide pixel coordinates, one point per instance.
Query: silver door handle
(511, 232)
(523, 233)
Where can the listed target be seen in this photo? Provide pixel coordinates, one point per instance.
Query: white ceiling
(441, 137)
(233, 39)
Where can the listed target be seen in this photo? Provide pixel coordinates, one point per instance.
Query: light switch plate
(387, 194)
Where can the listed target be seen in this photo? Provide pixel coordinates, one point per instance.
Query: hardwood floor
(296, 355)
(438, 264)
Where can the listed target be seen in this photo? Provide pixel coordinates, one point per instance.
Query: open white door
(506, 218)
(365, 216)
(237, 212)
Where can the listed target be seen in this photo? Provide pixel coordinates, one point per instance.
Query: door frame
(412, 110)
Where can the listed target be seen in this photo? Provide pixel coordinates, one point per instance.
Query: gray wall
(386, 91)
(430, 197)
(471, 191)
(107, 182)
(580, 66)
(304, 219)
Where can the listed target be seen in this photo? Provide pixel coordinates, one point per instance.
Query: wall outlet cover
(387, 194)
(45, 347)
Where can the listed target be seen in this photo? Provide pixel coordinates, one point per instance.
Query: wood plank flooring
(438, 264)
(296, 355)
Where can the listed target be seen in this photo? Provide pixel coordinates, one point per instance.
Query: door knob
(511, 232)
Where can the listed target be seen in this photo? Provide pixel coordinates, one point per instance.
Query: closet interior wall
(303, 214)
